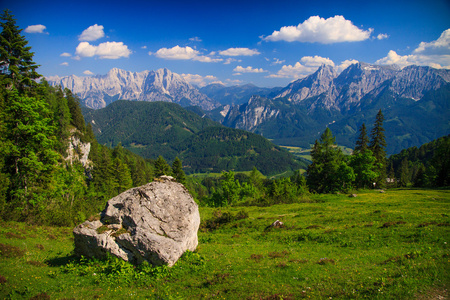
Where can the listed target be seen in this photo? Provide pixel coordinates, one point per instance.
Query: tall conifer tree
(362, 143)
(17, 67)
(378, 147)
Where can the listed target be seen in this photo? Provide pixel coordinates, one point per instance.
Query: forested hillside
(424, 166)
(147, 128)
(151, 129)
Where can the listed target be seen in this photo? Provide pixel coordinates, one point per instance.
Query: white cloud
(92, 33)
(240, 69)
(35, 29)
(276, 61)
(85, 49)
(108, 50)
(382, 36)
(144, 47)
(203, 58)
(233, 81)
(65, 54)
(345, 64)
(435, 54)
(195, 39)
(439, 47)
(200, 80)
(239, 52)
(64, 64)
(319, 30)
(183, 53)
(177, 52)
(230, 60)
(87, 72)
(304, 67)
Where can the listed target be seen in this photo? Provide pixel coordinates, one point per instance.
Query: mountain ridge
(160, 85)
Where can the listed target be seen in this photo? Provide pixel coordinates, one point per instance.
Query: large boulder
(156, 222)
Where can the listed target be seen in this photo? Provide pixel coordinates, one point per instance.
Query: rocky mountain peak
(160, 85)
(310, 86)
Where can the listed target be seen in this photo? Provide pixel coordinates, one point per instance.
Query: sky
(266, 43)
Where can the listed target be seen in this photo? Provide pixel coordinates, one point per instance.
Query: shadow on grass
(62, 260)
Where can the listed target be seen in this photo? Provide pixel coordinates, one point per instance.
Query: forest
(39, 185)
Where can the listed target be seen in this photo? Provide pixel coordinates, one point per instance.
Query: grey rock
(156, 222)
(160, 85)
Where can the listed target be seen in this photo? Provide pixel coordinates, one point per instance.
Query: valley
(414, 101)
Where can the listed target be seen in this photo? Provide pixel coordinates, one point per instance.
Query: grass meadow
(377, 245)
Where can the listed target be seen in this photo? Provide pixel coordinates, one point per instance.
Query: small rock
(277, 224)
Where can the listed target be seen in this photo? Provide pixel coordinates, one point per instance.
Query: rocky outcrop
(78, 151)
(156, 222)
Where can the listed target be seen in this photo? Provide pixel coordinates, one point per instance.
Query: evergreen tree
(378, 148)
(404, 173)
(29, 156)
(362, 161)
(327, 162)
(362, 143)
(161, 167)
(177, 171)
(16, 61)
(73, 103)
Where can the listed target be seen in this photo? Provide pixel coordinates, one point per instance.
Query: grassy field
(392, 245)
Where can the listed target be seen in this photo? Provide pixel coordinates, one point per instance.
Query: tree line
(37, 122)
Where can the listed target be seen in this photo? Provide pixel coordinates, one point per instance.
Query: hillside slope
(160, 128)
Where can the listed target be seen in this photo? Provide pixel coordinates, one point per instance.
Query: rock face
(156, 222)
(160, 85)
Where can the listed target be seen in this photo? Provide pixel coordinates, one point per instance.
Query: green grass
(392, 245)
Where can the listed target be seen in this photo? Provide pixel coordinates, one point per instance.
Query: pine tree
(161, 167)
(16, 61)
(177, 170)
(362, 161)
(362, 143)
(29, 142)
(327, 164)
(378, 148)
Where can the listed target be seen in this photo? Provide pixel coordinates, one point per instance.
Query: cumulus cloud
(108, 50)
(200, 80)
(319, 30)
(87, 72)
(302, 68)
(239, 52)
(64, 64)
(441, 46)
(183, 53)
(346, 63)
(239, 69)
(177, 52)
(435, 54)
(35, 29)
(65, 54)
(92, 33)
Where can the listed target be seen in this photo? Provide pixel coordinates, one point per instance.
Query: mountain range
(414, 101)
(160, 85)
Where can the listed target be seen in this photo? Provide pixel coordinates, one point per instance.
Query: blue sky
(267, 43)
